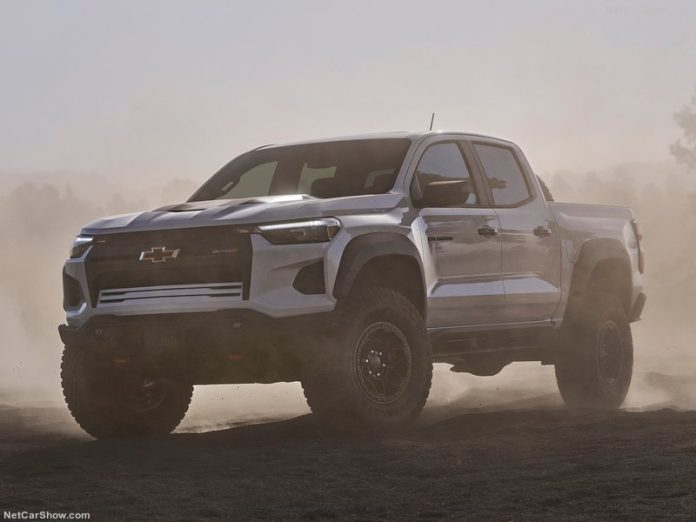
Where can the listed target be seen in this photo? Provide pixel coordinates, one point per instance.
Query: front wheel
(107, 405)
(595, 362)
(374, 371)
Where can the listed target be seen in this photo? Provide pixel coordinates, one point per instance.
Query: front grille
(206, 255)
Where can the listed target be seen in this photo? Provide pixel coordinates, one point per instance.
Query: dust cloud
(40, 215)
(663, 199)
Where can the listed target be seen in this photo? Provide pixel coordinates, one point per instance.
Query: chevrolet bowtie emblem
(158, 254)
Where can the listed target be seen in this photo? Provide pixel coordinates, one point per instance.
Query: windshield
(322, 170)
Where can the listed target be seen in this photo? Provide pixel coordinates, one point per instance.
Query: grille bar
(213, 290)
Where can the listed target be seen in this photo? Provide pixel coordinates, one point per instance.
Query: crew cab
(351, 265)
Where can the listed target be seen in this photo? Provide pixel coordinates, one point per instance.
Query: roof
(412, 135)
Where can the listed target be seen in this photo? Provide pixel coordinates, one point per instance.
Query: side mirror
(446, 193)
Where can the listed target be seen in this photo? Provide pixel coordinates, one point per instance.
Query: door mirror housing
(449, 193)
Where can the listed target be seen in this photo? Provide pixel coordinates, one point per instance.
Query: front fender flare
(363, 249)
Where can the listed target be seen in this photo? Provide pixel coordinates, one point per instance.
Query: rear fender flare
(591, 254)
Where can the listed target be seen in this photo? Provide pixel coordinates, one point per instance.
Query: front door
(463, 261)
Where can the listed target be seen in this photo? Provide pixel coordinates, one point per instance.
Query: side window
(442, 167)
(254, 182)
(504, 174)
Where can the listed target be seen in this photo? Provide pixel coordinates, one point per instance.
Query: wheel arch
(382, 259)
(602, 264)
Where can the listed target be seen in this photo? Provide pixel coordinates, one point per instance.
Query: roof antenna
(432, 119)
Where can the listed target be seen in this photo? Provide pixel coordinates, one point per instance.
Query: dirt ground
(510, 464)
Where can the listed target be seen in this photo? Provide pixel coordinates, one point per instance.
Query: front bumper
(211, 348)
(234, 329)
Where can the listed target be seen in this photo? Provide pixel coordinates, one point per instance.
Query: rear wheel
(374, 372)
(595, 362)
(107, 405)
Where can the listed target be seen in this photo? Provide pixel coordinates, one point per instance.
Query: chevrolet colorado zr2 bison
(350, 265)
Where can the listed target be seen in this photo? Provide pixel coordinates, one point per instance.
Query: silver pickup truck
(351, 265)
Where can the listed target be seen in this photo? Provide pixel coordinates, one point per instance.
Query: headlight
(80, 246)
(313, 231)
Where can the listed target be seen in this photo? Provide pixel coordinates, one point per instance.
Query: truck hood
(243, 211)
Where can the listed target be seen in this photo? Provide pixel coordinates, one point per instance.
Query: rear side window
(504, 175)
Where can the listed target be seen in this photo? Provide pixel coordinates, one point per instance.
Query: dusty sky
(170, 89)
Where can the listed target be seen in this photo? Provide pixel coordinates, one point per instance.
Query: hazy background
(114, 108)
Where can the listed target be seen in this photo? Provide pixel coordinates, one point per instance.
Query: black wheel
(595, 362)
(374, 372)
(107, 405)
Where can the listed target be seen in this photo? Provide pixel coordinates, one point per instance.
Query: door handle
(542, 231)
(488, 231)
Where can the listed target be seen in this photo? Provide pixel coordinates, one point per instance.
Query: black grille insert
(205, 255)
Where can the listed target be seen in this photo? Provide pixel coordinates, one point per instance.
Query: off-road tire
(595, 360)
(96, 400)
(334, 380)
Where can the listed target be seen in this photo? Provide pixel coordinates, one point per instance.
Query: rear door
(531, 261)
(463, 252)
